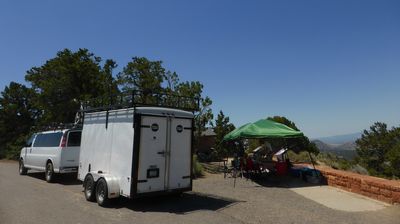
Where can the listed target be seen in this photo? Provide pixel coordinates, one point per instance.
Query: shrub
(12, 149)
(301, 157)
(197, 167)
(359, 169)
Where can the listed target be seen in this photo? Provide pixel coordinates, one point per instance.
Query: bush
(12, 150)
(301, 157)
(12, 153)
(197, 167)
(359, 169)
(2, 153)
(378, 150)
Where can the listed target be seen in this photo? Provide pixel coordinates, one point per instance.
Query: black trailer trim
(152, 115)
(142, 181)
(145, 126)
(187, 128)
(191, 155)
(164, 115)
(185, 177)
(182, 117)
(135, 155)
(107, 114)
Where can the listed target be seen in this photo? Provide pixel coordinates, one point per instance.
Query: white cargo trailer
(134, 152)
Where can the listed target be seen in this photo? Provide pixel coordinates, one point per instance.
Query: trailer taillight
(64, 140)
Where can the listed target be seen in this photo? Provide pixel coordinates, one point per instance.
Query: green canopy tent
(235, 134)
(263, 129)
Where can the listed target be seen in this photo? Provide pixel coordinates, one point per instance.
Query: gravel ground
(273, 201)
(29, 199)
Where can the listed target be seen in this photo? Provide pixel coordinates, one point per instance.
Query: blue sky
(333, 67)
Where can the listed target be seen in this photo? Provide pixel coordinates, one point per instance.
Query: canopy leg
(312, 161)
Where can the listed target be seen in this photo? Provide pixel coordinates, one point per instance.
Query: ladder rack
(142, 98)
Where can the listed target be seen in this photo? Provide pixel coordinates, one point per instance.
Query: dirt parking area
(29, 199)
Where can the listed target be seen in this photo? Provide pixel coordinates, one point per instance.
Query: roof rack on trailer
(142, 98)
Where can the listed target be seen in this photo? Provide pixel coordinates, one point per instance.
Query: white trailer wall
(121, 122)
(108, 147)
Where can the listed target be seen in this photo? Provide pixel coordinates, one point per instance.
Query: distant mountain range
(346, 150)
(341, 145)
(329, 147)
(340, 139)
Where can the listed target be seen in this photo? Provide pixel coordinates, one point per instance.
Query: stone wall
(373, 187)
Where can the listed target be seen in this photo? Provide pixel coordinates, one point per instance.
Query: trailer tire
(22, 169)
(89, 188)
(102, 193)
(49, 172)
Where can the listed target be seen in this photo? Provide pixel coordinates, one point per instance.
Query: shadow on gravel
(64, 179)
(285, 182)
(179, 204)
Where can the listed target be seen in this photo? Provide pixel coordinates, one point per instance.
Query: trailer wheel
(49, 173)
(22, 169)
(90, 188)
(102, 193)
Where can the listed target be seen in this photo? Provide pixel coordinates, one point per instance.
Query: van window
(48, 140)
(74, 138)
(29, 142)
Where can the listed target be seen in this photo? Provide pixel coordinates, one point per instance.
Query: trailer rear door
(151, 173)
(180, 153)
(164, 154)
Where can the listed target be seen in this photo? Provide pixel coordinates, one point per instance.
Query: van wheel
(90, 188)
(22, 169)
(49, 173)
(102, 193)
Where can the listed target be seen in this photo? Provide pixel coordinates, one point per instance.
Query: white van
(55, 151)
(135, 152)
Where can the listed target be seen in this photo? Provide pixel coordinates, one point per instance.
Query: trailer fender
(113, 186)
(112, 183)
(94, 175)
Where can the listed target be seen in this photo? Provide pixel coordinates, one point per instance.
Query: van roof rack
(137, 98)
(58, 126)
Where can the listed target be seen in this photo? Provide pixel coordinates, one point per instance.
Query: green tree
(17, 115)
(392, 168)
(143, 75)
(172, 81)
(296, 144)
(204, 115)
(110, 84)
(70, 79)
(285, 121)
(222, 127)
(151, 77)
(378, 150)
(65, 82)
